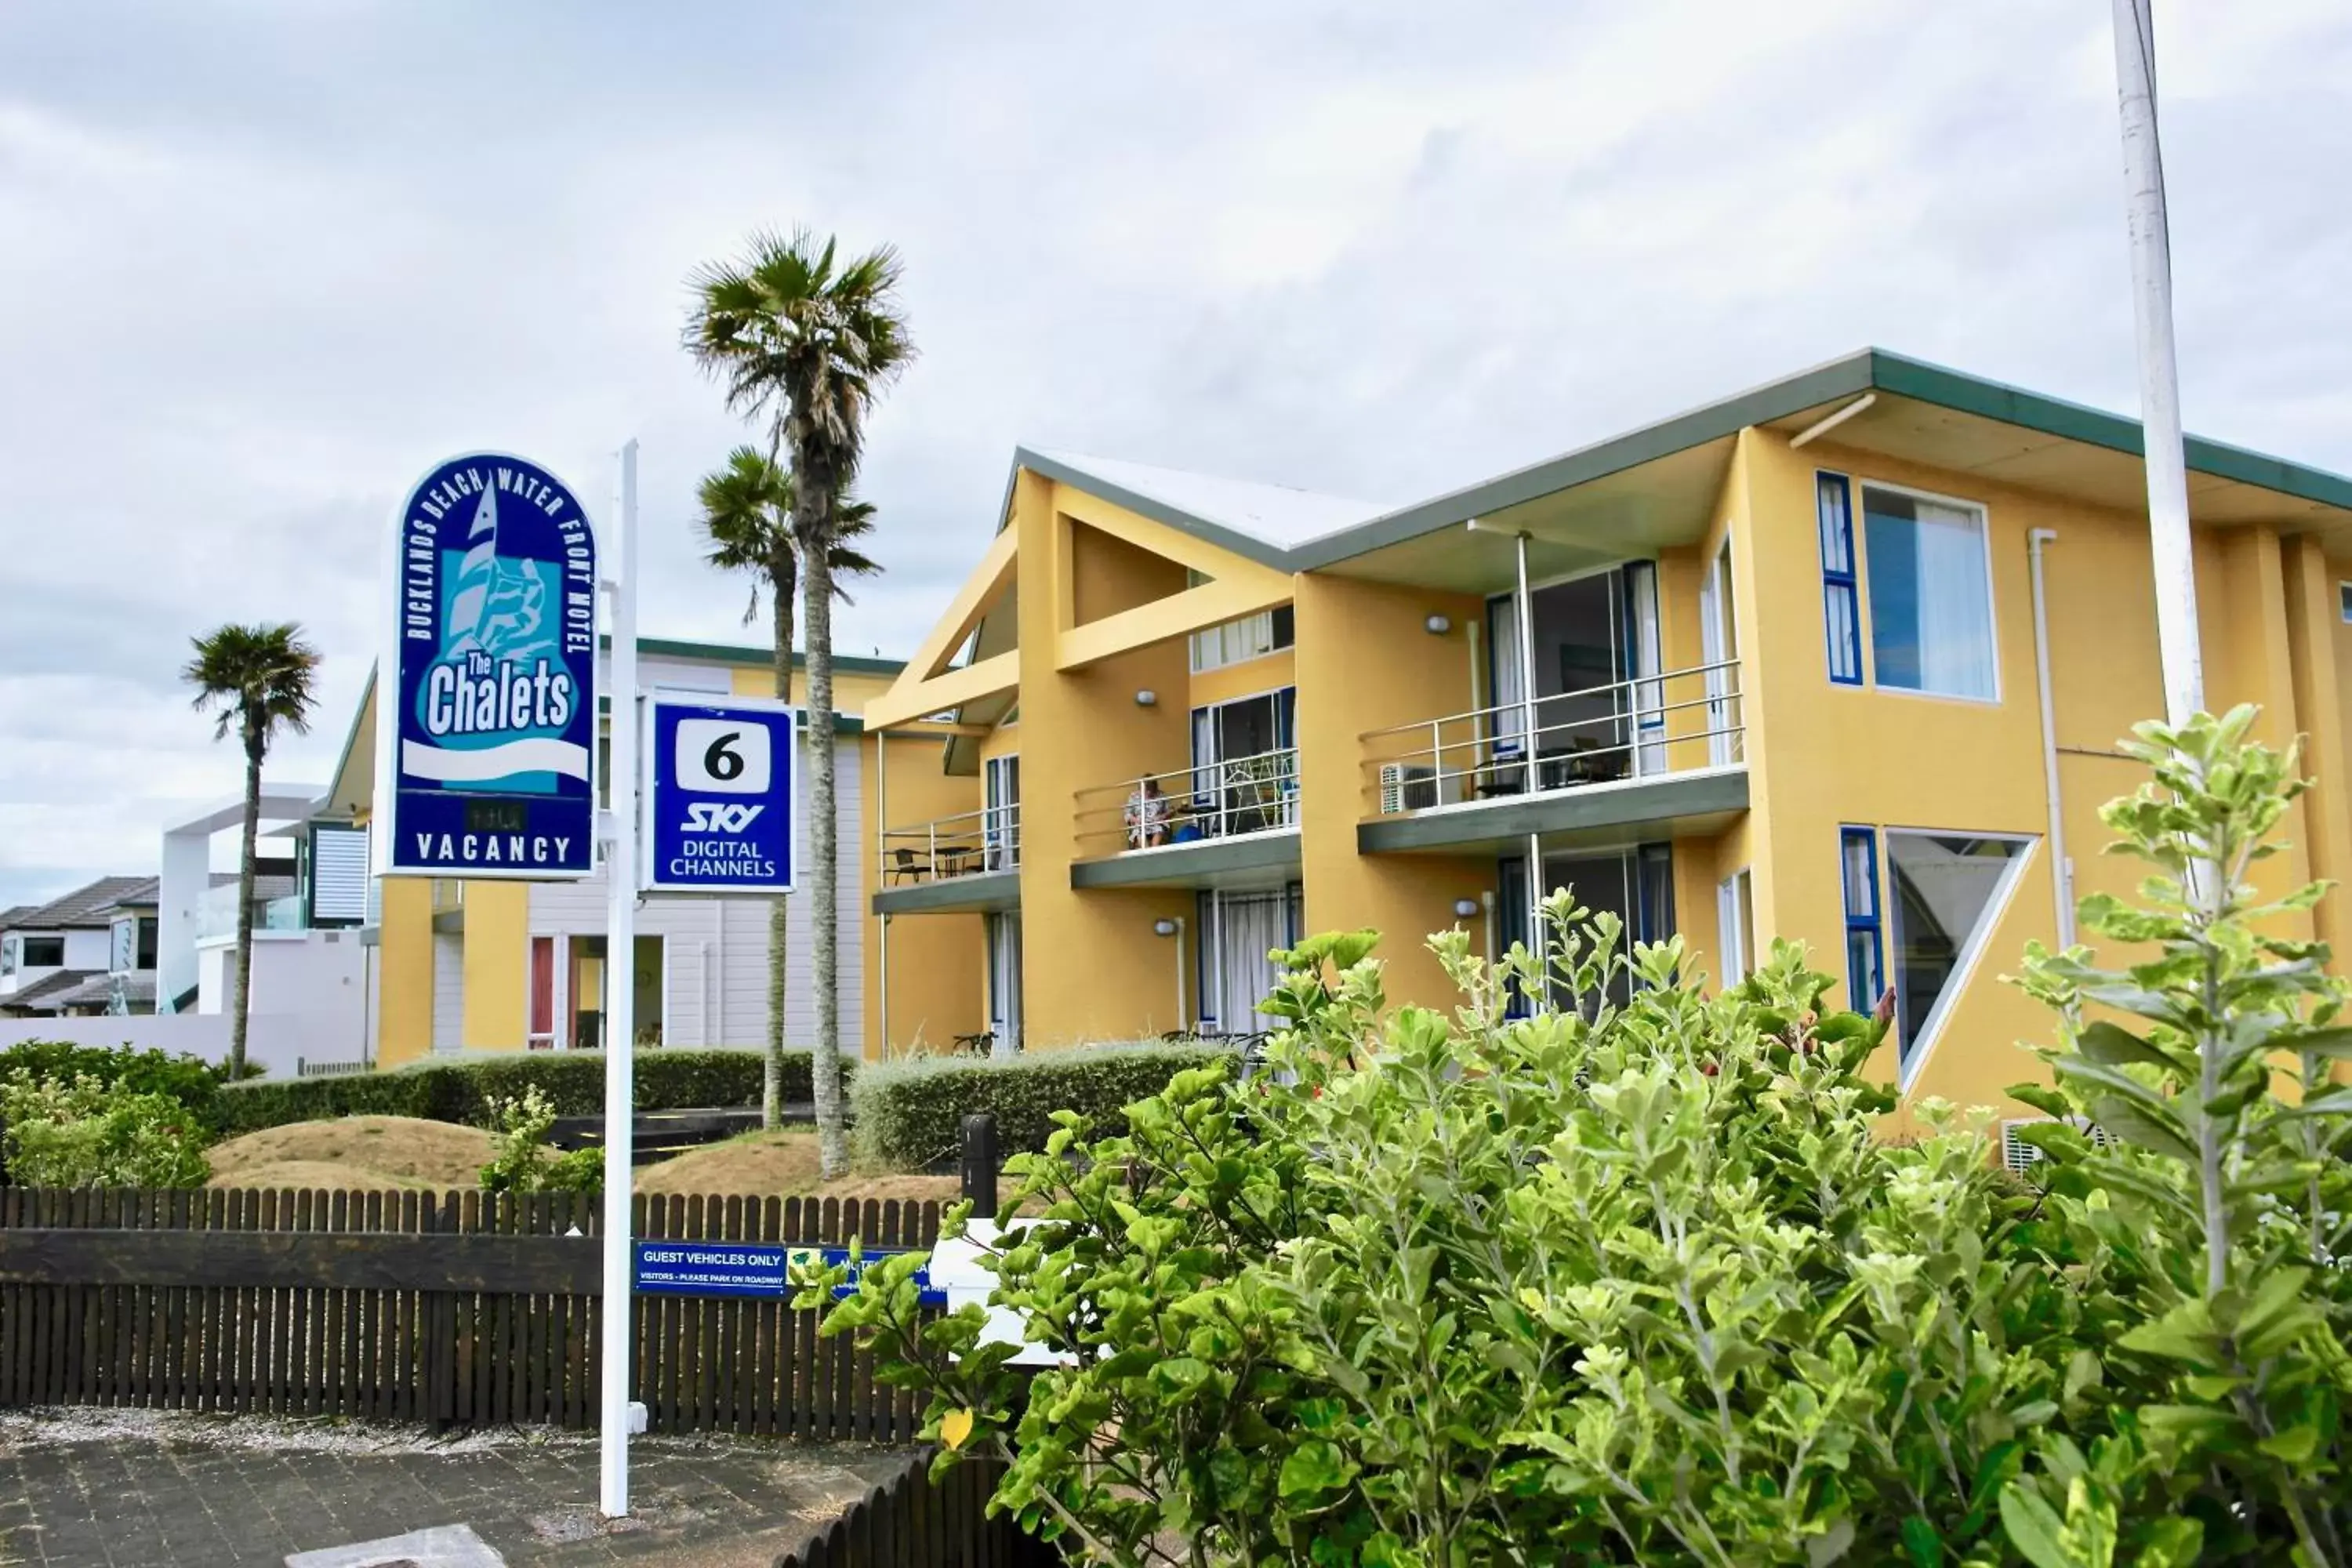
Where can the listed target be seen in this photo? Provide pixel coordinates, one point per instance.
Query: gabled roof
(86, 906)
(12, 916)
(1251, 513)
(98, 991)
(1942, 416)
(48, 994)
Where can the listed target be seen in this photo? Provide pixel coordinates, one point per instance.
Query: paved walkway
(123, 1489)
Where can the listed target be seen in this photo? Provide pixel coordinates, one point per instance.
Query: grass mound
(376, 1152)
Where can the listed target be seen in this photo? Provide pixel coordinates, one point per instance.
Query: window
(1252, 637)
(8, 955)
(2343, 600)
(42, 952)
(1735, 921)
(1834, 509)
(147, 928)
(122, 944)
(1947, 887)
(1930, 595)
(1858, 868)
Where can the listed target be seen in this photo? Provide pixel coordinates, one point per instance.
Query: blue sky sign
(486, 730)
(718, 796)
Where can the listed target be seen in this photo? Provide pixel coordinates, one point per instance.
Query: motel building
(1843, 658)
(487, 965)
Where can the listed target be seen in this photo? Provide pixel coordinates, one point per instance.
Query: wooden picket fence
(910, 1521)
(460, 1309)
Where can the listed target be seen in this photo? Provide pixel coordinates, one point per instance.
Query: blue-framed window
(1865, 939)
(1841, 600)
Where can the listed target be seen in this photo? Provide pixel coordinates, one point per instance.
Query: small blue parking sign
(718, 796)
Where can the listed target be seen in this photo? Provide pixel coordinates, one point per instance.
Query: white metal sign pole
(620, 1000)
(2159, 379)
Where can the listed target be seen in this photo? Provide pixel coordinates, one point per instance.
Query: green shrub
(81, 1133)
(523, 1163)
(1639, 1283)
(910, 1112)
(464, 1090)
(193, 1081)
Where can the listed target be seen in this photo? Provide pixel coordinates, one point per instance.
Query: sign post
(620, 1010)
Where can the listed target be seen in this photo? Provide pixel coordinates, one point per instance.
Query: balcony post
(1527, 629)
(1437, 759)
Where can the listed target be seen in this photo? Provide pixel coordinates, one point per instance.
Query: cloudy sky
(261, 263)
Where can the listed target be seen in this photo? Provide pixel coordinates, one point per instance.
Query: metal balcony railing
(1211, 800)
(965, 845)
(1677, 721)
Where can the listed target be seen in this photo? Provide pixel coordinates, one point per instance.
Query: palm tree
(261, 678)
(747, 509)
(807, 341)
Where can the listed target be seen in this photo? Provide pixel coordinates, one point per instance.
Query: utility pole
(2159, 378)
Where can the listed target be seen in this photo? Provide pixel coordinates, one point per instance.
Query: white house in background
(312, 972)
(89, 952)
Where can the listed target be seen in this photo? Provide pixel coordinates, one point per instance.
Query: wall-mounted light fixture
(1165, 928)
(1438, 625)
(1464, 908)
(1147, 698)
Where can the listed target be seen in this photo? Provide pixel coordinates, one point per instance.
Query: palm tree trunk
(240, 999)
(783, 579)
(816, 584)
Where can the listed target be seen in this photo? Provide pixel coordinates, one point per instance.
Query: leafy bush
(464, 1091)
(193, 1081)
(1638, 1284)
(82, 1133)
(910, 1112)
(523, 1163)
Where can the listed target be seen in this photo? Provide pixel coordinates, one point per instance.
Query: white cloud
(263, 262)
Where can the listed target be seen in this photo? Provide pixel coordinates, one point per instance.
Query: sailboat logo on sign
(495, 718)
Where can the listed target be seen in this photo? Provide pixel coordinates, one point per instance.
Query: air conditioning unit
(1407, 786)
(2017, 1154)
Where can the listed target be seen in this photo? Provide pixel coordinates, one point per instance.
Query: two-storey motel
(1843, 659)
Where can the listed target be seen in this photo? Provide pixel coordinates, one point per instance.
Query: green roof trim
(1866, 370)
(737, 653)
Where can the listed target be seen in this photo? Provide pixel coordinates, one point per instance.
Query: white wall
(90, 949)
(448, 991)
(726, 1004)
(275, 1040)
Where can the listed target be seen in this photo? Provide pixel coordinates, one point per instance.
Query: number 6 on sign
(721, 756)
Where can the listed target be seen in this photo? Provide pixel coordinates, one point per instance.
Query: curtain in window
(1509, 683)
(1955, 603)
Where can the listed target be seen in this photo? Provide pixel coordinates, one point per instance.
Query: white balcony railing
(1223, 799)
(1676, 722)
(965, 845)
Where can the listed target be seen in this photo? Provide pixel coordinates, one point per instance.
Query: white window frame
(1261, 647)
(2343, 600)
(1860, 506)
(1735, 920)
(1964, 963)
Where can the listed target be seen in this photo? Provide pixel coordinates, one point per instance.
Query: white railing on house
(965, 845)
(1676, 722)
(1211, 800)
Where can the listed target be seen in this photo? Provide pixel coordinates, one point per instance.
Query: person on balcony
(1147, 817)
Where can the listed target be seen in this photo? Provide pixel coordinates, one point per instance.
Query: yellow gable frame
(1236, 586)
(927, 685)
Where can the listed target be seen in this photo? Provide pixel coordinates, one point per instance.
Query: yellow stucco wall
(498, 966)
(404, 972)
(1823, 755)
(937, 980)
(1365, 660)
(1091, 967)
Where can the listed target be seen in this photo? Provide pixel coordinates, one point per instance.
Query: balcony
(1179, 827)
(216, 913)
(1662, 753)
(968, 861)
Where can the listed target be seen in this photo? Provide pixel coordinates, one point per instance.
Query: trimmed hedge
(910, 1113)
(460, 1090)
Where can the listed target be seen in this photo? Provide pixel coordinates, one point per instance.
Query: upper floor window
(42, 952)
(1930, 589)
(1252, 637)
(8, 955)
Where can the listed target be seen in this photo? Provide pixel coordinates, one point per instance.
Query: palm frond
(254, 678)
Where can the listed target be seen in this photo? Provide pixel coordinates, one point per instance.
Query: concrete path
(127, 1489)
